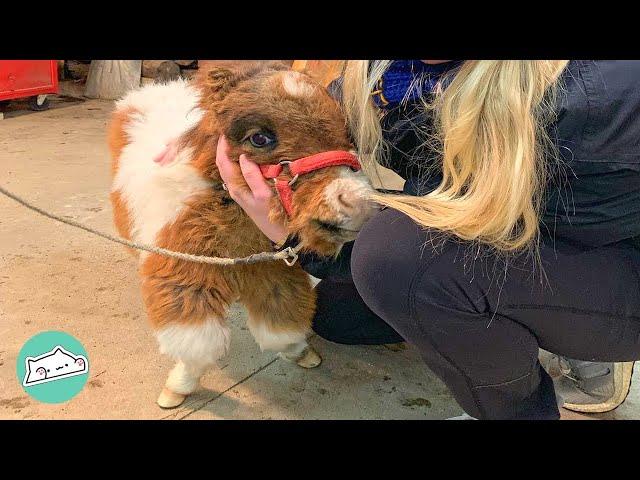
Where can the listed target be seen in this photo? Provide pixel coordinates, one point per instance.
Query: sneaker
(588, 387)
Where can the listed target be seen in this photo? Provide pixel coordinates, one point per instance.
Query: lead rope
(289, 255)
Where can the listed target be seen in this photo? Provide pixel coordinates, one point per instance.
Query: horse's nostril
(343, 202)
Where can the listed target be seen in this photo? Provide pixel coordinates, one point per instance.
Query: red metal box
(27, 78)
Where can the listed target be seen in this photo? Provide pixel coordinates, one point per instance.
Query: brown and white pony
(272, 114)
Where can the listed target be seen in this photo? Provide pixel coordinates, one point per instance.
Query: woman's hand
(250, 190)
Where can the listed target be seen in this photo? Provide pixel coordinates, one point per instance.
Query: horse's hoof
(309, 359)
(169, 399)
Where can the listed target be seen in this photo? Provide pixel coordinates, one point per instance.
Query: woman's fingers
(224, 164)
(230, 172)
(249, 189)
(244, 180)
(253, 176)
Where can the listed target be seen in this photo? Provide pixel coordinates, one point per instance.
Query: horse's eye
(262, 139)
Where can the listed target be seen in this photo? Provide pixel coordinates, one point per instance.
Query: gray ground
(54, 277)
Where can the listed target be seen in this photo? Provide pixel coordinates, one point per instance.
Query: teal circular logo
(52, 367)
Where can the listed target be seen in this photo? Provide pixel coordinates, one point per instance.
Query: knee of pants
(395, 266)
(342, 317)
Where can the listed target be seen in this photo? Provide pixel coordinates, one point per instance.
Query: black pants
(478, 319)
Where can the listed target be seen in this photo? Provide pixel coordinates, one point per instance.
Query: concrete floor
(54, 277)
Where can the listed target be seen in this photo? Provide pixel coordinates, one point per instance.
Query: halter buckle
(292, 257)
(288, 162)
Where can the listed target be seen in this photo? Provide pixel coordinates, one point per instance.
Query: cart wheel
(39, 103)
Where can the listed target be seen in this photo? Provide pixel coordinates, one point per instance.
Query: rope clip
(291, 258)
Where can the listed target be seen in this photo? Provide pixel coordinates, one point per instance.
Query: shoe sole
(622, 376)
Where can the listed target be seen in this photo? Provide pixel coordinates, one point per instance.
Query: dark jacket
(593, 196)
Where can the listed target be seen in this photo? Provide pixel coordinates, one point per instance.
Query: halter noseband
(303, 166)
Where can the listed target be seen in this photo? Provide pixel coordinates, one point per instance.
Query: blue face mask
(408, 80)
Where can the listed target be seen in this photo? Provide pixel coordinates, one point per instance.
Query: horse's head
(296, 132)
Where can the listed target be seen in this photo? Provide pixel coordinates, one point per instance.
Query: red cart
(34, 79)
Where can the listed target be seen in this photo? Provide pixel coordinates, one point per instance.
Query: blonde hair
(490, 132)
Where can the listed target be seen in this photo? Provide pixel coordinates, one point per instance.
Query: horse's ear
(224, 75)
(277, 64)
(219, 81)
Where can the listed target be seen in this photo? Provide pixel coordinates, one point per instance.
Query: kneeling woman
(517, 229)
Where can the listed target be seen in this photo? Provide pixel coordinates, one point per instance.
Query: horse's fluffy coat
(183, 207)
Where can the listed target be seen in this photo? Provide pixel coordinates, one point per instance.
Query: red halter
(303, 166)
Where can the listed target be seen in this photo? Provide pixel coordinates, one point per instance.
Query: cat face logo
(53, 365)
